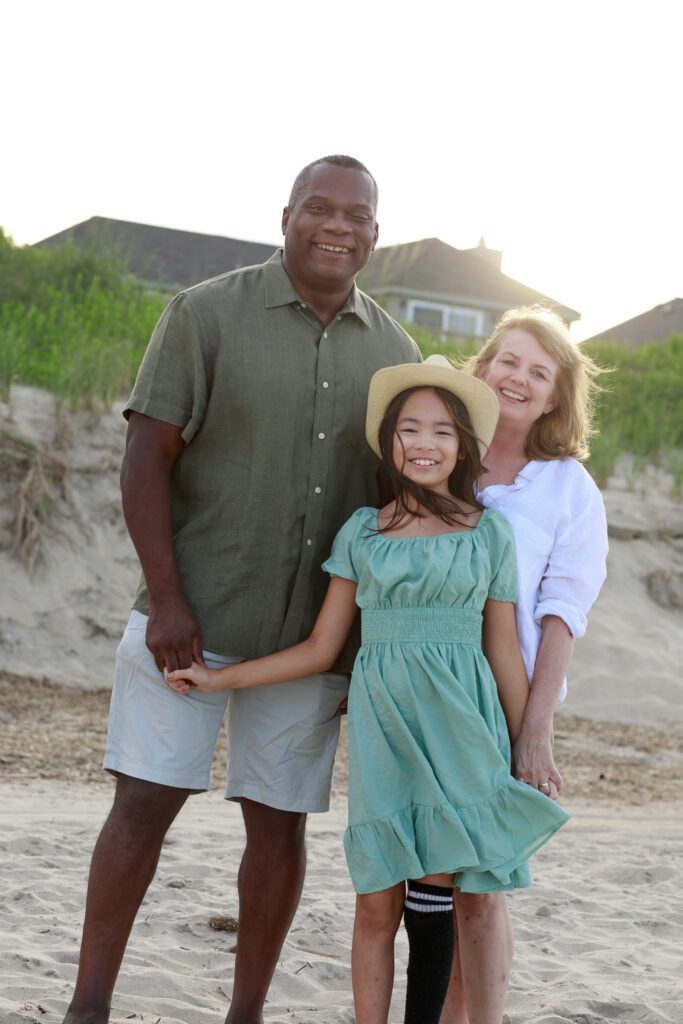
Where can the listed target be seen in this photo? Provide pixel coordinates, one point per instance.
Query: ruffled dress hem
(485, 846)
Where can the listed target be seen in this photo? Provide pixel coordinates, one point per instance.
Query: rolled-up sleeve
(577, 564)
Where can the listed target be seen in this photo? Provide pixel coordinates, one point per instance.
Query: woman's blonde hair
(564, 431)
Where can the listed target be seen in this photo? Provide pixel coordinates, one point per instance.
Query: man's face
(331, 230)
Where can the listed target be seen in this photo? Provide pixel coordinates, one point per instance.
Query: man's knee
(144, 806)
(272, 829)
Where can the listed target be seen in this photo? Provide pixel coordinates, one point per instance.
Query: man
(245, 453)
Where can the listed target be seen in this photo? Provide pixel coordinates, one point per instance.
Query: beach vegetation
(639, 411)
(76, 323)
(71, 321)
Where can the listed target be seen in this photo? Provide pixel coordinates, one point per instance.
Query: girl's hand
(198, 677)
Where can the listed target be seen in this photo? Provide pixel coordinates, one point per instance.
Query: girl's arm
(316, 654)
(501, 648)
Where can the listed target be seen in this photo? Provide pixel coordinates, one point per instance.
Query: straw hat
(435, 372)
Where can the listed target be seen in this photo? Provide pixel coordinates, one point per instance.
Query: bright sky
(552, 128)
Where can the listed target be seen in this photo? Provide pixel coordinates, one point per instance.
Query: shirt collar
(280, 291)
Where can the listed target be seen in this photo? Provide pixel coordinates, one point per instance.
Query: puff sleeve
(341, 563)
(503, 559)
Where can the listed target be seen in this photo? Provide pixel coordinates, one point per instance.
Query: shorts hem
(261, 795)
(148, 773)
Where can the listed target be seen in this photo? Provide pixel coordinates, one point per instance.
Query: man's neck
(326, 304)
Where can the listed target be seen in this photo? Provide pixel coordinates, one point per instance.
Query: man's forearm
(146, 497)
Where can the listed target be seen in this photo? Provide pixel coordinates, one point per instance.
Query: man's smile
(326, 247)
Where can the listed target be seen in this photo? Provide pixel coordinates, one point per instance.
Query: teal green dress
(430, 788)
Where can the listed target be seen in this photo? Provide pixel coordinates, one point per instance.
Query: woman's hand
(199, 677)
(533, 762)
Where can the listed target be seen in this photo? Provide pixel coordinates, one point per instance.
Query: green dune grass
(77, 324)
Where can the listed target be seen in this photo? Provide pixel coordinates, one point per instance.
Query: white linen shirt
(558, 519)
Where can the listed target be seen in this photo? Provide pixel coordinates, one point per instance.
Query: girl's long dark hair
(395, 486)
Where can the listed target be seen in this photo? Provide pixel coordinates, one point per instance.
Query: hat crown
(437, 360)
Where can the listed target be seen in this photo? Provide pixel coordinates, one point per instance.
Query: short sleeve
(340, 563)
(577, 565)
(503, 559)
(171, 384)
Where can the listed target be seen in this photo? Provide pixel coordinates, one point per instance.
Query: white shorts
(281, 739)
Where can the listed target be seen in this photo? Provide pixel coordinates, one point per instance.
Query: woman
(545, 386)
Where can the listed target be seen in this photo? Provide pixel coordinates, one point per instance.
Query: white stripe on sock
(429, 908)
(429, 896)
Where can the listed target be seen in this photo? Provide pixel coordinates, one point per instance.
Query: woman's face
(524, 376)
(426, 442)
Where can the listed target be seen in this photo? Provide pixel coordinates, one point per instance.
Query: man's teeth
(423, 462)
(512, 394)
(333, 248)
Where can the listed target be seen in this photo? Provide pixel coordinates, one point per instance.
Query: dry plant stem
(35, 474)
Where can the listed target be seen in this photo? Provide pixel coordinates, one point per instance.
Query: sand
(598, 936)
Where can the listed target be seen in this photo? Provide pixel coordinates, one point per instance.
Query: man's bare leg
(270, 881)
(123, 865)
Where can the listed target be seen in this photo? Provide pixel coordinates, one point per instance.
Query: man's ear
(374, 243)
(285, 220)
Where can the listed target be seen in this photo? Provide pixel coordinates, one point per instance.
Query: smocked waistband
(420, 625)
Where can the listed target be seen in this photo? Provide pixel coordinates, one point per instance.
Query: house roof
(432, 269)
(655, 325)
(171, 259)
(164, 257)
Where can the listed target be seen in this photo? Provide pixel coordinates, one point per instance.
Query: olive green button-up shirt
(272, 409)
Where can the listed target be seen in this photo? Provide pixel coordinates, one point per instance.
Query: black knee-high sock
(428, 917)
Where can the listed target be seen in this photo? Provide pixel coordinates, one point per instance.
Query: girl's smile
(426, 442)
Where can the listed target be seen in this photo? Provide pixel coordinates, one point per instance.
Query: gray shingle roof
(655, 325)
(430, 267)
(164, 257)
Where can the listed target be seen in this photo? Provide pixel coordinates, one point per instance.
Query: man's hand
(533, 763)
(173, 635)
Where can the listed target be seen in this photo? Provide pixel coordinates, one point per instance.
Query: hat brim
(477, 397)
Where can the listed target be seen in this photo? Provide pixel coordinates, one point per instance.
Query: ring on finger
(544, 786)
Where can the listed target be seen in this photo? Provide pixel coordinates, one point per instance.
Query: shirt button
(324, 334)
(321, 436)
(302, 305)
(326, 384)
(309, 542)
(318, 490)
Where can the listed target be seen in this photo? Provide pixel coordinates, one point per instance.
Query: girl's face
(426, 443)
(524, 376)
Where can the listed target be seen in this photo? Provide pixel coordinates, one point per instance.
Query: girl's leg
(485, 951)
(431, 937)
(378, 915)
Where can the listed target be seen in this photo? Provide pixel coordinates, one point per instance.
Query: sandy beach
(598, 937)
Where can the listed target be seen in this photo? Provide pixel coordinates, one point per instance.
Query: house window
(427, 316)
(466, 323)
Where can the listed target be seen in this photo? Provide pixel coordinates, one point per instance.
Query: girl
(431, 798)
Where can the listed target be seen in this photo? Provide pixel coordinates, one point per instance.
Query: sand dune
(598, 936)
